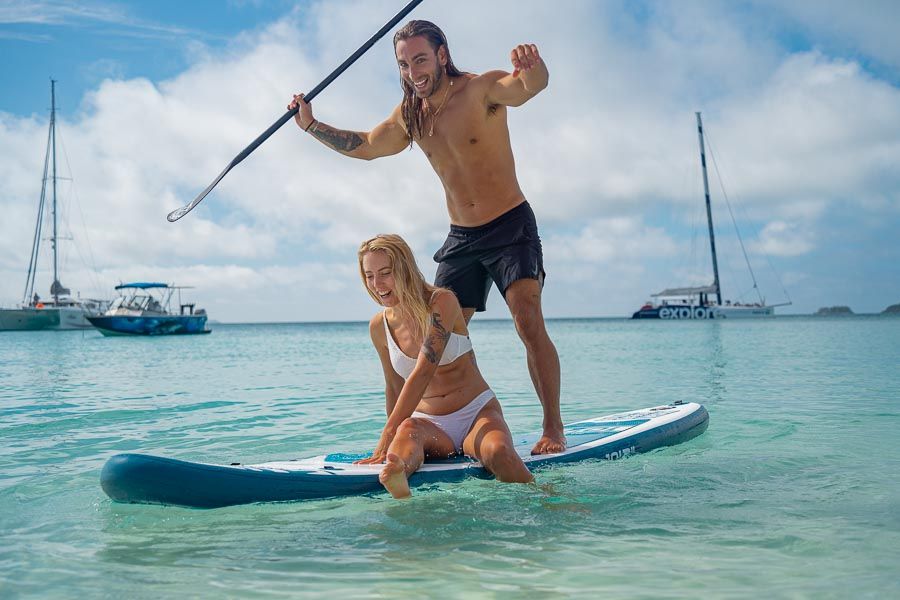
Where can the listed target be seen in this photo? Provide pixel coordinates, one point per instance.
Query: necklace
(435, 113)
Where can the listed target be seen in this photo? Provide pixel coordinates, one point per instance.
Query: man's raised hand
(524, 57)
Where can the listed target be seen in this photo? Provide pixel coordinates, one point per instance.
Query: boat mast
(712, 235)
(54, 288)
(27, 298)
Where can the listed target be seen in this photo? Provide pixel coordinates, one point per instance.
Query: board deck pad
(577, 434)
(141, 478)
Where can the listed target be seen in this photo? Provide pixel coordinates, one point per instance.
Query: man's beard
(438, 75)
(436, 78)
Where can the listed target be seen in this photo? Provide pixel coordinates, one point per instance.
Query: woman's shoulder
(444, 299)
(445, 305)
(376, 326)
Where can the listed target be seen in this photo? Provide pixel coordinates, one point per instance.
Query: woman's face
(379, 274)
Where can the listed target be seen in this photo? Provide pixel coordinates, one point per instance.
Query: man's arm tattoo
(345, 141)
(439, 333)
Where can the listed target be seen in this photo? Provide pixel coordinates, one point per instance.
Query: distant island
(893, 309)
(833, 311)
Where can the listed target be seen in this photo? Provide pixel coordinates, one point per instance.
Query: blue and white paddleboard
(140, 478)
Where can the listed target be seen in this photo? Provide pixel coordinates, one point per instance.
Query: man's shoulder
(397, 116)
(481, 84)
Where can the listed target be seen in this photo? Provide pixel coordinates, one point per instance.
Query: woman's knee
(499, 454)
(508, 467)
(409, 427)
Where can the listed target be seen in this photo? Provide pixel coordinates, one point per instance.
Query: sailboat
(697, 302)
(60, 310)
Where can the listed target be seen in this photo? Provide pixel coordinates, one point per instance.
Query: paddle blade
(180, 212)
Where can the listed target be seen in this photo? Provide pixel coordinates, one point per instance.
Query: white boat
(145, 308)
(60, 310)
(703, 302)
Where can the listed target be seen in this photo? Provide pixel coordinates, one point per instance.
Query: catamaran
(60, 310)
(703, 302)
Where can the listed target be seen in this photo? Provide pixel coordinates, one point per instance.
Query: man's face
(420, 65)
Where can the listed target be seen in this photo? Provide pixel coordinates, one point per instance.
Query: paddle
(178, 213)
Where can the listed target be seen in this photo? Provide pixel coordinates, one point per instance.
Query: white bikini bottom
(457, 424)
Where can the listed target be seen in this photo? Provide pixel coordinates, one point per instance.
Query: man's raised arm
(529, 76)
(387, 138)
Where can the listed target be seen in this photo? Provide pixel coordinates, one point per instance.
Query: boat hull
(696, 313)
(745, 312)
(39, 319)
(151, 325)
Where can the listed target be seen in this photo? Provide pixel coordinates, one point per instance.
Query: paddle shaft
(178, 213)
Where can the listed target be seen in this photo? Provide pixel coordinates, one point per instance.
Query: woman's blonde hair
(413, 292)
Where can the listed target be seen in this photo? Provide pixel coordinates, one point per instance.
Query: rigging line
(731, 213)
(87, 239)
(686, 266)
(778, 277)
(727, 273)
(691, 190)
(764, 254)
(692, 256)
(36, 242)
(698, 266)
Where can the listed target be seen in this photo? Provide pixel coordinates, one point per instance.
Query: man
(459, 120)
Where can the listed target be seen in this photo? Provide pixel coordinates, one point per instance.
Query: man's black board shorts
(502, 251)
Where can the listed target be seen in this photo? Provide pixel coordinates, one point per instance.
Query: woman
(438, 404)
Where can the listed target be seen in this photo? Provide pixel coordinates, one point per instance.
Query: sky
(800, 102)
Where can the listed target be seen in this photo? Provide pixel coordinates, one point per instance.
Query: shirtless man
(459, 120)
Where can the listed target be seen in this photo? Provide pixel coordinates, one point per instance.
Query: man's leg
(524, 300)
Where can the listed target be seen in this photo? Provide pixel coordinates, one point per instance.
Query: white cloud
(77, 13)
(805, 136)
(610, 146)
(56, 13)
(779, 238)
(605, 241)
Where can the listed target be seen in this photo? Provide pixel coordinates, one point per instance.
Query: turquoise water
(792, 492)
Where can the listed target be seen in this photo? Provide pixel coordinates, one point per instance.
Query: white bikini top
(456, 346)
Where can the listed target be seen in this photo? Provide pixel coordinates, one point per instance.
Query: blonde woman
(437, 402)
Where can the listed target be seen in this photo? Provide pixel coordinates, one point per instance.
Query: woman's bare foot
(393, 477)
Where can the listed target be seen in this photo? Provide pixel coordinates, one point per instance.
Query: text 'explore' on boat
(705, 302)
(146, 309)
(60, 310)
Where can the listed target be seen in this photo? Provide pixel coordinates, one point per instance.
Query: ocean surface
(793, 491)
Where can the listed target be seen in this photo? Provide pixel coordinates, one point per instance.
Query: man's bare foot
(552, 442)
(393, 477)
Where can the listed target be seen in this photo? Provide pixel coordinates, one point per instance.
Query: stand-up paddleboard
(139, 478)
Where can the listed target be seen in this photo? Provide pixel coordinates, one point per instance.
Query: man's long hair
(412, 108)
(414, 294)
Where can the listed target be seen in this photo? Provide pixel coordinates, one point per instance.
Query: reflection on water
(717, 362)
